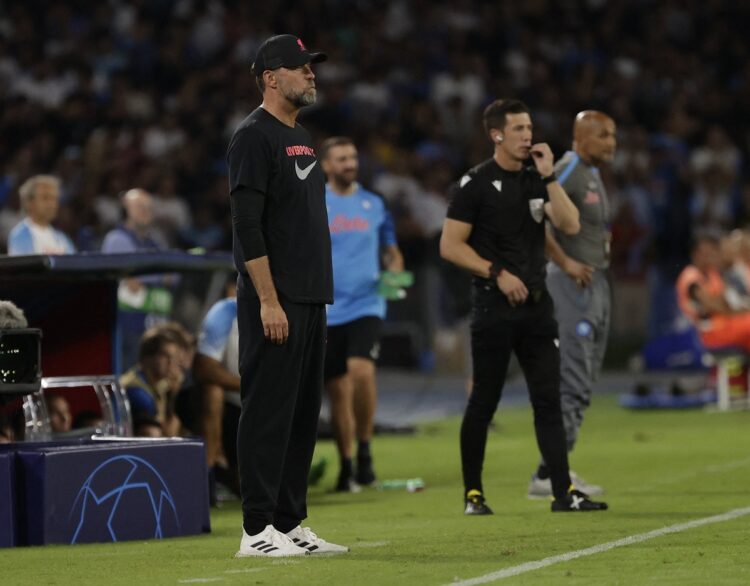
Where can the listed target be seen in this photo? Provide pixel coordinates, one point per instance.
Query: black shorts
(355, 339)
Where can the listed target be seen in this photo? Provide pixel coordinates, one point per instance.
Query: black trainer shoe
(475, 504)
(576, 500)
(365, 474)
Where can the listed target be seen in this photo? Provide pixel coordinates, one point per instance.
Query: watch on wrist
(495, 270)
(551, 178)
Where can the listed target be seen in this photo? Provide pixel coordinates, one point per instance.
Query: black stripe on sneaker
(257, 543)
(303, 544)
(312, 548)
(268, 548)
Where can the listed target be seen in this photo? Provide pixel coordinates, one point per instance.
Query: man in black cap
(282, 250)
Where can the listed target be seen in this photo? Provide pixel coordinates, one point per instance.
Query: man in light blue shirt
(145, 301)
(363, 239)
(40, 199)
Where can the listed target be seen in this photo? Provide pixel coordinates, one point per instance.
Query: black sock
(346, 467)
(542, 472)
(363, 449)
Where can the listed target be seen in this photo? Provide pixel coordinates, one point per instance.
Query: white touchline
(565, 557)
(198, 580)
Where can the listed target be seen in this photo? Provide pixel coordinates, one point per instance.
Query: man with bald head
(146, 301)
(577, 280)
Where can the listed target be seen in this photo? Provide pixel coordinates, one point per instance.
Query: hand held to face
(541, 154)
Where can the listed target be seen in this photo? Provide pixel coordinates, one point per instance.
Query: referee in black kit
(495, 230)
(282, 250)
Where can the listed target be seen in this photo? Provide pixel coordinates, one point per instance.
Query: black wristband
(495, 270)
(551, 178)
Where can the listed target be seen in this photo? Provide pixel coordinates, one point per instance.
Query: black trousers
(529, 330)
(281, 388)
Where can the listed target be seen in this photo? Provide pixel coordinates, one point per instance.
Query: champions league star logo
(124, 498)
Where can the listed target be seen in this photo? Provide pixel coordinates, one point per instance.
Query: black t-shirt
(278, 163)
(506, 210)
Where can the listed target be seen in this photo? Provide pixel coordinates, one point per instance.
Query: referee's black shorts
(355, 339)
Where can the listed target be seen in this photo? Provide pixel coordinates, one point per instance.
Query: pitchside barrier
(89, 490)
(102, 491)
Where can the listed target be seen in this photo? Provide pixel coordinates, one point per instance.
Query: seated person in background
(735, 271)
(7, 435)
(153, 383)
(88, 420)
(187, 343)
(40, 200)
(144, 426)
(216, 374)
(701, 294)
(58, 410)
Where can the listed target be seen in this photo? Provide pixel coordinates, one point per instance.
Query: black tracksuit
(278, 210)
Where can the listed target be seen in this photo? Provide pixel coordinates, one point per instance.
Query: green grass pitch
(659, 468)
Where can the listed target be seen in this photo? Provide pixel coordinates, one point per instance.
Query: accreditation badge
(536, 207)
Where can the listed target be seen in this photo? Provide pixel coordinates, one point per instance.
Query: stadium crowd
(145, 93)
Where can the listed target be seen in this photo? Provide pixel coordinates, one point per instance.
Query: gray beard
(302, 99)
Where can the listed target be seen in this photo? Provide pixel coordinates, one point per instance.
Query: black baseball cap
(284, 51)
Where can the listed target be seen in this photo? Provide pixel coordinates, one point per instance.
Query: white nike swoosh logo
(303, 173)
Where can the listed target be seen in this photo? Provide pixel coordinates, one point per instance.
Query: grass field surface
(661, 469)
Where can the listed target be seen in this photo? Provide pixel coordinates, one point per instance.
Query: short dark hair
(494, 114)
(334, 141)
(261, 84)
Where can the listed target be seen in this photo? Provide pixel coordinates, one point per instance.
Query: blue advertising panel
(114, 492)
(7, 501)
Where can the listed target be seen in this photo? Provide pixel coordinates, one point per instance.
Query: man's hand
(512, 287)
(582, 274)
(543, 159)
(275, 324)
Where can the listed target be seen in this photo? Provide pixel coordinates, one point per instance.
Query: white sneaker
(585, 487)
(306, 539)
(542, 488)
(539, 488)
(269, 543)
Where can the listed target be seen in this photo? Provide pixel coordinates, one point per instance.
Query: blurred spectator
(216, 373)
(58, 409)
(88, 420)
(153, 383)
(701, 293)
(143, 301)
(712, 208)
(7, 434)
(40, 199)
(144, 426)
(149, 92)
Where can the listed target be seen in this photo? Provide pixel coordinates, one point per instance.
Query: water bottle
(410, 484)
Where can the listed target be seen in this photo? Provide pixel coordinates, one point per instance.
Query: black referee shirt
(506, 210)
(269, 160)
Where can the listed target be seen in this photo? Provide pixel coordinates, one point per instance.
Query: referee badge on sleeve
(536, 207)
